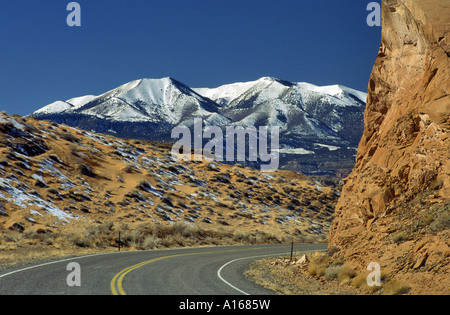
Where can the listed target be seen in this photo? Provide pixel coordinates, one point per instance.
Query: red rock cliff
(395, 205)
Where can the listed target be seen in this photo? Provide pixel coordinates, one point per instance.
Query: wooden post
(292, 249)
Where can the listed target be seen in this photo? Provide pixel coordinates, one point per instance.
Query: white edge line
(49, 263)
(234, 260)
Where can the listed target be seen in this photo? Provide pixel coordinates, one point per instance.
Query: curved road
(187, 271)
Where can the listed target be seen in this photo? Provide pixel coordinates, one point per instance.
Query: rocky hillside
(395, 205)
(63, 188)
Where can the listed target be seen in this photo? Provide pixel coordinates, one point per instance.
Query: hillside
(395, 205)
(63, 189)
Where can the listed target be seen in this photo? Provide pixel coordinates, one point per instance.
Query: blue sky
(203, 43)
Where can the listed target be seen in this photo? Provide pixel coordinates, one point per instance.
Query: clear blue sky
(203, 43)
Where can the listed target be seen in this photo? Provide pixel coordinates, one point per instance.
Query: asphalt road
(188, 271)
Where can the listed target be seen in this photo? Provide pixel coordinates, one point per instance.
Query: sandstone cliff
(395, 205)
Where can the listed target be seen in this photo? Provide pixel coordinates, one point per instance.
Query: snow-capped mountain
(320, 127)
(139, 100)
(299, 108)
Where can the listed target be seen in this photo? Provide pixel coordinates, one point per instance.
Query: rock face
(395, 205)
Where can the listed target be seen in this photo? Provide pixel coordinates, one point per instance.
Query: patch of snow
(25, 200)
(14, 122)
(295, 151)
(330, 147)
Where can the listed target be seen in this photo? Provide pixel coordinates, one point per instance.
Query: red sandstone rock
(395, 205)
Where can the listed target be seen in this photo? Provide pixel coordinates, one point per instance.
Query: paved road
(190, 271)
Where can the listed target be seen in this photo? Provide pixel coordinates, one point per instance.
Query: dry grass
(287, 278)
(346, 274)
(395, 287)
(105, 237)
(321, 274)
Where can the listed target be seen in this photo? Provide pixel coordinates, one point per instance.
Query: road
(187, 271)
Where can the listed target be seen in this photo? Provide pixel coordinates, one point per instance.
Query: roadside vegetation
(317, 273)
(26, 246)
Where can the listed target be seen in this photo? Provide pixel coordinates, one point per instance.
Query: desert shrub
(145, 185)
(442, 222)
(86, 170)
(40, 236)
(150, 242)
(92, 230)
(312, 269)
(395, 287)
(81, 240)
(345, 274)
(168, 241)
(5, 163)
(130, 168)
(106, 227)
(31, 128)
(184, 229)
(313, 265)
(39, 182)
(132, 237)
(210, 240)
(332, 272)
(425, 220)
(138, 197)
(69, 137)
(399, 236)
(360, 281)
(55, 158)
(79, 196)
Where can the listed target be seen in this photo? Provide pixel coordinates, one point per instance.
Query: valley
(64, 190)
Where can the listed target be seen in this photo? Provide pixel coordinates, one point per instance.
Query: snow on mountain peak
(348, 95)
(55, 107)
(270, 79)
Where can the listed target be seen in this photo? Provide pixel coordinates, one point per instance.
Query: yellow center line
(120, 275)
(118, 278)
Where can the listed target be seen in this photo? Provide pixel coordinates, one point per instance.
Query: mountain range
(320, 127)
